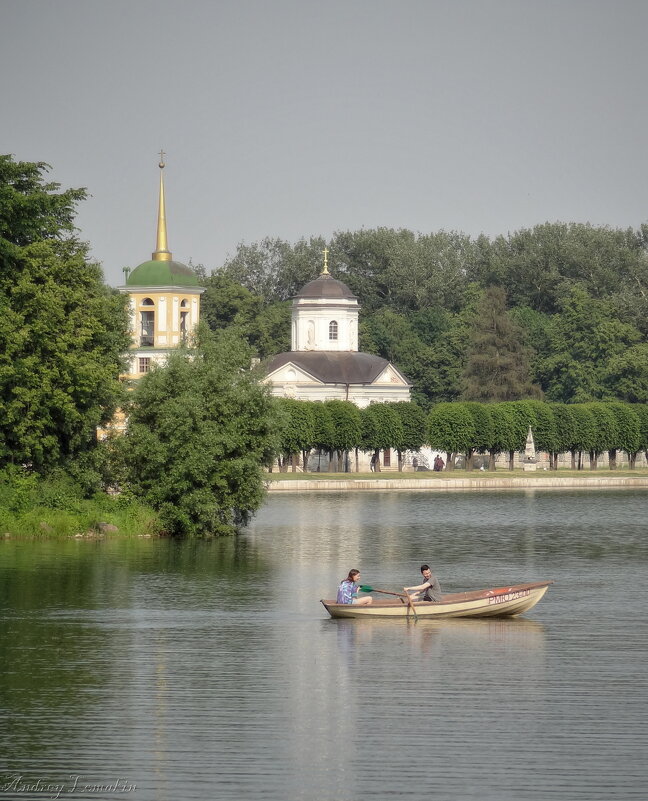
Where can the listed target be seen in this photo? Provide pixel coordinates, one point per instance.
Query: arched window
(184, 318)
(333, 330)
(147, 328)
(147, 324)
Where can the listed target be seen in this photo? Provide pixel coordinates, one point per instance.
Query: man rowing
(430, 588)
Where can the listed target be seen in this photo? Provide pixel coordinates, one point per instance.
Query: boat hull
(499, 602)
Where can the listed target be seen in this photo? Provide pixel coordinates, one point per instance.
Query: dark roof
(325, 287)
(333, 367)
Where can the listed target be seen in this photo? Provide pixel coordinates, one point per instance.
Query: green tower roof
(162, 273)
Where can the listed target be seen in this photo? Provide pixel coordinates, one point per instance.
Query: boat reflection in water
(519, 635)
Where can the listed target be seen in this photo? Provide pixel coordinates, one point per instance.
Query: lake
(192, 670)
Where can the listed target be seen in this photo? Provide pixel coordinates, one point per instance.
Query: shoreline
(480, 482)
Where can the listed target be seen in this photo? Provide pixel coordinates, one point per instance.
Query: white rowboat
(499, 602)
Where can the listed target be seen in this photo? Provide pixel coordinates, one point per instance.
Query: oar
(410, 603)
(367, 588)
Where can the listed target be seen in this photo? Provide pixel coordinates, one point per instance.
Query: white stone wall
(362, 396)
(311, 321)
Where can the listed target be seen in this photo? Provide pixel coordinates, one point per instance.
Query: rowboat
(498, 602)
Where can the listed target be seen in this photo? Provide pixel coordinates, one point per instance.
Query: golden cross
(325, 252)
(162, 154)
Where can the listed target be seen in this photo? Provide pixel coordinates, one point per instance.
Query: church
(324, 362)
(164, 301)
(164, 307)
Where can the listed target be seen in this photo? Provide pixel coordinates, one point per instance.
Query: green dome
(162, 273)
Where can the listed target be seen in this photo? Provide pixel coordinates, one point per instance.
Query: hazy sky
(291, 118)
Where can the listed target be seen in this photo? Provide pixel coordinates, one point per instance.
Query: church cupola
(325, 315)
(161, 270)
(164, 299)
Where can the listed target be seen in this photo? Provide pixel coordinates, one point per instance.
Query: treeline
(559, 311)
(339, 428)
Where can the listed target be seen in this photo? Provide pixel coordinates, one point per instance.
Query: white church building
(324, 362)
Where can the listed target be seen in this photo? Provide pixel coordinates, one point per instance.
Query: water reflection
(210, 670)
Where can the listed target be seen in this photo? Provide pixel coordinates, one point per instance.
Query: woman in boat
(348, 590)
(430, 588)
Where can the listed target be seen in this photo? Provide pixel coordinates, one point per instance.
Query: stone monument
(529, 462)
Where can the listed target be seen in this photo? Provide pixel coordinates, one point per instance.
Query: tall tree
(275, 269)
(584, 433)
(200, 430)
(625, 374)
(501, 433)
(586, 340)
(483, 421)
(427, 346)
(323, 432)
(228, 304)
(498, 361)
(518, 418)
(641, 410)
(451, 428)
(539, 265)
(628, 427)
(605, 433)
(295, 430)
(381, 429)
(413, 423)
(566, 433)
(62, 331)
(347, 428)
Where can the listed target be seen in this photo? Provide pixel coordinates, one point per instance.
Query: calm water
(208, 670)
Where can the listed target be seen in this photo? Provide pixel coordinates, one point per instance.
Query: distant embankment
(480, 482)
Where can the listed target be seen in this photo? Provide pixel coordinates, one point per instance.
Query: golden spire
(162, 253)
(325, 271)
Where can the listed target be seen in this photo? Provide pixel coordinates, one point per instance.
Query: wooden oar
(367, 588)
(410, 603)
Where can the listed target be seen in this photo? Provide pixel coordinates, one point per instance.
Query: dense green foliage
(56, 505)
(497, 361)
(346, 420)
(227, 304)
(200, 430)
(62, 331)
(413, 428)
(558, 312)
(451, 428)
(467, 428)
(381, 428)
(575, 320)
(296, 429)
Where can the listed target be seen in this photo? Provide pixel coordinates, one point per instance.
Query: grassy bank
(481, 475)
(57, 507)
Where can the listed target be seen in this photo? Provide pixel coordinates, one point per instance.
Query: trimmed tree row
(340, 429)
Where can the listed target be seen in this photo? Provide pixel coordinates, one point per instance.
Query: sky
(300, 118)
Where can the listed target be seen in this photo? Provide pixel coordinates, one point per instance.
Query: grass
(480, 475)
(41, 522)
(37, 508)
